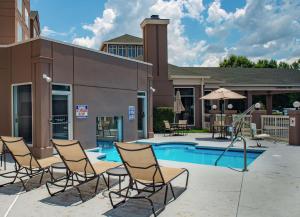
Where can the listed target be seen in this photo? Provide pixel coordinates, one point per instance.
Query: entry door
(62, 127)
(142, 115)
(22, 111)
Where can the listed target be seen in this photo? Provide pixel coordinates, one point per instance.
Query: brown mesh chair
(26, 165)
(79, 168)
(2, 155)
(168, 128)
(143, 169)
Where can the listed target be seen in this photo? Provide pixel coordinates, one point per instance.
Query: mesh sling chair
(2, 155)
(143, 169)
(26, 165)
(79, 168)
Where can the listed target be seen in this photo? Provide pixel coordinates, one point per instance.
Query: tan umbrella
(178, 106)
(222, 94)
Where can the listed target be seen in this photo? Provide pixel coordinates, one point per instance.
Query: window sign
(131, 113)
(82, 111)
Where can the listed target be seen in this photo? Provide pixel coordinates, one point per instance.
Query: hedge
(159, 115)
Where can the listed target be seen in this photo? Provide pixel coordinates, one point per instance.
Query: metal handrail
(238, 138)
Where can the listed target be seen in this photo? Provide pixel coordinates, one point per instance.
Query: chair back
(253, 129)
(20, 152)
(1, 147)
(167, 125)
(140, 162)
(182, 122)
(73, 155)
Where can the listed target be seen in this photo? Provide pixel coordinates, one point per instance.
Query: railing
(239, 138)
(277, 126)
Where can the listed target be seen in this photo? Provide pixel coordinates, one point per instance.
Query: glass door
(22, 112)
(141, 113)
(62, 127)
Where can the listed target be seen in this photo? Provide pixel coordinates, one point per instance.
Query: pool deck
(271, 188)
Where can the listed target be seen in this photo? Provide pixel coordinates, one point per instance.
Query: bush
(159, 115)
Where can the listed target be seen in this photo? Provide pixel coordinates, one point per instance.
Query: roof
(126, 39)
(240, 76)
(33, 14)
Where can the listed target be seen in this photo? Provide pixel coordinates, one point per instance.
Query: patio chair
(79, 168)
(26, 165)
(143, 169)
(257, 137)
(182, 125)
(168, 128)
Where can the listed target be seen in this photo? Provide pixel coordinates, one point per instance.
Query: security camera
(47, 78)
(152, 89)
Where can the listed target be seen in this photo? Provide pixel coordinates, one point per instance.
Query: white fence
(276, 125)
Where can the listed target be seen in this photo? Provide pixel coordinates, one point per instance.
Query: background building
(257, 84)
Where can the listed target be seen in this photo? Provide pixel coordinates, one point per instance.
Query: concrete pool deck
(271, 188)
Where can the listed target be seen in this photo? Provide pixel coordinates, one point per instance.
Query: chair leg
(97, 183)
(42, 176)
(172, 191)
(166, 195)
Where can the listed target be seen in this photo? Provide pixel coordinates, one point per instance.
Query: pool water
(190, 154)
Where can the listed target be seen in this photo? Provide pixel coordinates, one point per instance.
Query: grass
(196, 131)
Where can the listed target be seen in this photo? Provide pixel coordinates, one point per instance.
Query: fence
(277, 126)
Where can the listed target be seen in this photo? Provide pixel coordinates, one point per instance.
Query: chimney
(155, 42)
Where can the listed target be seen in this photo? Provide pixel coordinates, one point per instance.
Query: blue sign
(131, 113)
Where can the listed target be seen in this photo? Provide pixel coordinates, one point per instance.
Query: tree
(296, 65)
(283, 65)
(237, 61)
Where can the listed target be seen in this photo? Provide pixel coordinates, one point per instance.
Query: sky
(200, 33)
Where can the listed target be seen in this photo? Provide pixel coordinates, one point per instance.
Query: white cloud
(49, 32)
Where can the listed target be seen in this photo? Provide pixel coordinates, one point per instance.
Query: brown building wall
(108, 85)
(156, 52)
(7, 21)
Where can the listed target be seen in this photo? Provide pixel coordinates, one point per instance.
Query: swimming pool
(190, 153)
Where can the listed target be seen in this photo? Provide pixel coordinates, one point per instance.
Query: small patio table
(178, 128)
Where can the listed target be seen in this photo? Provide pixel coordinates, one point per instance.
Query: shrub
(159, 115)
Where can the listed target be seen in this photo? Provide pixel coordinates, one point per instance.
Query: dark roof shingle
(126, 39)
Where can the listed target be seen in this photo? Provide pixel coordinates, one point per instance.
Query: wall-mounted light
(47, 78)
(229, 106)
(296, 105)
(214, 107)
(257, 106)
(152, 89)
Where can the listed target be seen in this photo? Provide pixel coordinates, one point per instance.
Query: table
(223, 131)
(117, 171)
(59, 166)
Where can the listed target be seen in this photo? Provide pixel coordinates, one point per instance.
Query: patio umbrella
(222, 94)
(178, 106)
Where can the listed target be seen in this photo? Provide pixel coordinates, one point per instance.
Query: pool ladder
(238, 138)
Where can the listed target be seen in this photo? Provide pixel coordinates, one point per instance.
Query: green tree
(283, 65)
(296, 65)
(237, 61)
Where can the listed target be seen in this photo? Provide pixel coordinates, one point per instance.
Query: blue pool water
(191, 154)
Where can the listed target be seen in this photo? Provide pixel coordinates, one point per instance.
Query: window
(131, 52)
(187, 99)
(139, 51)
(20, 32)
(112, 49)
(27, 20)
(121, 50)
(20, 6)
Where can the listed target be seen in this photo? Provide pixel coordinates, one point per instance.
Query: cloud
(49, 32)
(122, 16)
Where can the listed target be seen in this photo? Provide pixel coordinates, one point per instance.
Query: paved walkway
(271, 188)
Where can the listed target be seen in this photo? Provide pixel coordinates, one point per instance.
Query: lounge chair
(26, 165)
(257, 137)
(2, 155)
(79, 168)
(168, 128)
(143, 169)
